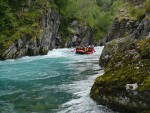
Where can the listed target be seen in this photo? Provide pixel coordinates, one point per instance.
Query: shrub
(147, 5)
(136, 12)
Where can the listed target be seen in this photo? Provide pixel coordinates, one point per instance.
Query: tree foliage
(86, 10)
(22, 14)
(97, 14)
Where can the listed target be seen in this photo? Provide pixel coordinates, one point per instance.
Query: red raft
(85, 50)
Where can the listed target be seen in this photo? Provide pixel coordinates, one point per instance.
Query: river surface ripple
(59, 82)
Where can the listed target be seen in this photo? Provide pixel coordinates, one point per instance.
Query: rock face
(126, 81)
(143, 28)
(141, 32)
(80, 35)
(121, 29)
(107, 53)
(125, 66)
(29, 46)
(127, 27)
(49, 38)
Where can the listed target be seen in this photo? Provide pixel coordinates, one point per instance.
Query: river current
(59, 82)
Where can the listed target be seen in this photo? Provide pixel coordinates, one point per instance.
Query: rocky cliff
(127, 20)
(80, 34)
(39, 33)
(28, 45)
(125, 85)
(49, 38)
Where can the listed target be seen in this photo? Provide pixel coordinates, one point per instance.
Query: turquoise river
(59, 82)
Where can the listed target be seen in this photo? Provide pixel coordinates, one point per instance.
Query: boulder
(125, 84)
(126, 81)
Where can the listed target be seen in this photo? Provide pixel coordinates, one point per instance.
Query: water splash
(57, 82)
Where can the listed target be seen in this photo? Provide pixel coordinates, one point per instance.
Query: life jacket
(86, 49)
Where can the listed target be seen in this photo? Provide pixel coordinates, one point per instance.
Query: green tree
(86, 10)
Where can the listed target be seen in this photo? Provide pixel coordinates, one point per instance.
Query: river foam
(58, 82)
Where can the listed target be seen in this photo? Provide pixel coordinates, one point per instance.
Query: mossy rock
(145, 48)
(110, 49)
(130, 64)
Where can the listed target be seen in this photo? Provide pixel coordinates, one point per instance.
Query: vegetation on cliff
(129, 64)
(133, 10)
(126, 80)
(96, 14)
(20, 18)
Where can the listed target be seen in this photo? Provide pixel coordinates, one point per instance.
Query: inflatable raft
(87, 50)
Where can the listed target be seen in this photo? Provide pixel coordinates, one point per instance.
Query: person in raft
(89, 48)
